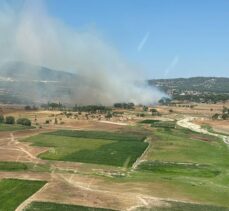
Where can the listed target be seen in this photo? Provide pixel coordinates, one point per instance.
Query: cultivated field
(125, 163)
(13, 192)
(91, 147)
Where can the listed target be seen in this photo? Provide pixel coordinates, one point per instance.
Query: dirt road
(187, 123)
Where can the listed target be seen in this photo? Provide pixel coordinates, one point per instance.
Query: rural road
(187, 123)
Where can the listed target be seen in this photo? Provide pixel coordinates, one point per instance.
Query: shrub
(1, 118)
(10, 120)
(24, 121)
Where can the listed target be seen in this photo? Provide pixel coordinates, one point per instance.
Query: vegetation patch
(13, 127)
(164, 124)
(119, 150)
(149, 121)
(183, 169)
(12, 166)
(47, 206)
(13, 192)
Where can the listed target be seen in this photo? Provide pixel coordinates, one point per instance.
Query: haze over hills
(23, 83)
(20, 71)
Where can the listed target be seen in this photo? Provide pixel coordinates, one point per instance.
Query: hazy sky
(166, 38)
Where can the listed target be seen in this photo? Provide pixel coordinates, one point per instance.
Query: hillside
(20, 71)
(197, 89)
(23, 83)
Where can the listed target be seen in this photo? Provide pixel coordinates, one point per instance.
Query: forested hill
(197, 89)
(201, 84)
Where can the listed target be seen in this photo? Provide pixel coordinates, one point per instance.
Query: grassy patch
(158, 123)
(13, 192)
(15, 127)
(181, 145)
(47, 206)
(168, 172)
(12, 166)
(117, 136)
(164, 124)
(117, 151)
(180, 206)
(150, 121)
(180, 169)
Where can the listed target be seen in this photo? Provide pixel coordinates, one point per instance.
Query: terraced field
(13, 192)
(117, 149)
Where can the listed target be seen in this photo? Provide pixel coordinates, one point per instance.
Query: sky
(165, 38)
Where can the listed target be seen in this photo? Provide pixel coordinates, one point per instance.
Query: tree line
(11, 120)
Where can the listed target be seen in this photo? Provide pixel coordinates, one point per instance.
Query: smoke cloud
(29, 34)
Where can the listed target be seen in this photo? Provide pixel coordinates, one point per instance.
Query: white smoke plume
(29, 34)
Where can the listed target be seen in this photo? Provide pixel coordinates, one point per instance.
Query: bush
(1, 118)
(10, 120)
(24, 121)
(216, 116)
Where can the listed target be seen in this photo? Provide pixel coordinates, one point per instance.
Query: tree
(24, 121)
(10, 120)
(145, 108)
(1, 118)
(216, 116)
(109, 115)
(225, 116)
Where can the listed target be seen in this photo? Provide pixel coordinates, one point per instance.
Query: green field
(12, 166)
(79, 146)
(186, 165)
(181, 169)
(13, 192)
(116, 136)
(179, 206)
(15, 127)
(48, 206)
(181, 145)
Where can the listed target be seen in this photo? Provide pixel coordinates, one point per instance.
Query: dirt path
(187, 123)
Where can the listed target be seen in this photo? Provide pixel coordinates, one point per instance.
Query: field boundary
(25, 203)
(140, 159)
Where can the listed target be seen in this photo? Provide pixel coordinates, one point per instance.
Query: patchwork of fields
(174, 163)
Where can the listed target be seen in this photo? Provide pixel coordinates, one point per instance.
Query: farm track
(187, 123)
